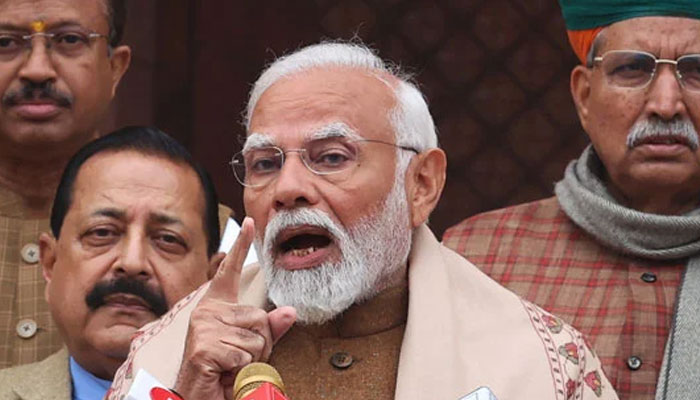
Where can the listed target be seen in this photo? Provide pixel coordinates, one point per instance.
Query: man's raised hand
(224, 336)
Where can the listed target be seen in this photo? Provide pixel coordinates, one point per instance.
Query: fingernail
(248, 221)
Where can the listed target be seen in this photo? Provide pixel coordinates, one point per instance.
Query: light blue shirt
(87, 386)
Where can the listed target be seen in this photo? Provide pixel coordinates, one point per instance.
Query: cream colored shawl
(463, 331)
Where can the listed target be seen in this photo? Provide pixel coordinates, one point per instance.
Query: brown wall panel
(233, 41)
(134, 101)
(495, 73)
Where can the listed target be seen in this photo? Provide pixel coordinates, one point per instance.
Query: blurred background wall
(495, 72)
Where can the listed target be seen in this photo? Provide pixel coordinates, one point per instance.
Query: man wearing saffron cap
(616, 252)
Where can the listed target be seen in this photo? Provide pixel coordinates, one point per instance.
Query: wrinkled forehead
(332, 130)
(132, 178)
(663, 36)
(325, 101)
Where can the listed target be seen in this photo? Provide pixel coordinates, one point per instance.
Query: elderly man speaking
(617, 252)
(341, 170)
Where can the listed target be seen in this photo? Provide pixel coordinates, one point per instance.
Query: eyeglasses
(635, 69)
(70, 44)
(332, 158)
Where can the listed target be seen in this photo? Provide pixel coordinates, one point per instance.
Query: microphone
(258, 381)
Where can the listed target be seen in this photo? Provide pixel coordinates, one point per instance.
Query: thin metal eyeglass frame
(657, 61)
(303, 159)
(27, 45)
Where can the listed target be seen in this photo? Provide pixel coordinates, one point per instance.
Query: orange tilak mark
(38, 26)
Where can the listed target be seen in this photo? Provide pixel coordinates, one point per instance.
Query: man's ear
(47, 259)
(581, 91)
(120, 60)
(214, 262)
(425, 180)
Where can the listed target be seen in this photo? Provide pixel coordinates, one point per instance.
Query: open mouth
(303, 247)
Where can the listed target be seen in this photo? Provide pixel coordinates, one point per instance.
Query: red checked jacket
(623, 305)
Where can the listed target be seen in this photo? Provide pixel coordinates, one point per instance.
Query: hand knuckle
(246, 334)
(240, 358)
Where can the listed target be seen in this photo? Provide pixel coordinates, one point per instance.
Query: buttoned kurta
(355, 356)
(27, 332)
(623, 305)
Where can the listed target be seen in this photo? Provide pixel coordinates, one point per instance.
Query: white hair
(413, 125)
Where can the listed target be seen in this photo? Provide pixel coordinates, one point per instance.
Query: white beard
(372, 251)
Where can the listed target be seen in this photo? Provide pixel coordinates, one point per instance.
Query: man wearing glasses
(341, 169)
(617, 251)
(60, 64)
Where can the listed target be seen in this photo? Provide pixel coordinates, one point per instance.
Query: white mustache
(372, 249)
(656, 128)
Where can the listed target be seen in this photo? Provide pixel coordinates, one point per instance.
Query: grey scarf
(584, 198)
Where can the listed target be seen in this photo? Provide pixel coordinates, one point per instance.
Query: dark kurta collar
(384, 311)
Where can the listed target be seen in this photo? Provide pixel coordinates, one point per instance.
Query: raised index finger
(224, 285)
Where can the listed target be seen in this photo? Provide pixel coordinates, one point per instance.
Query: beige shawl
(463, 331)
